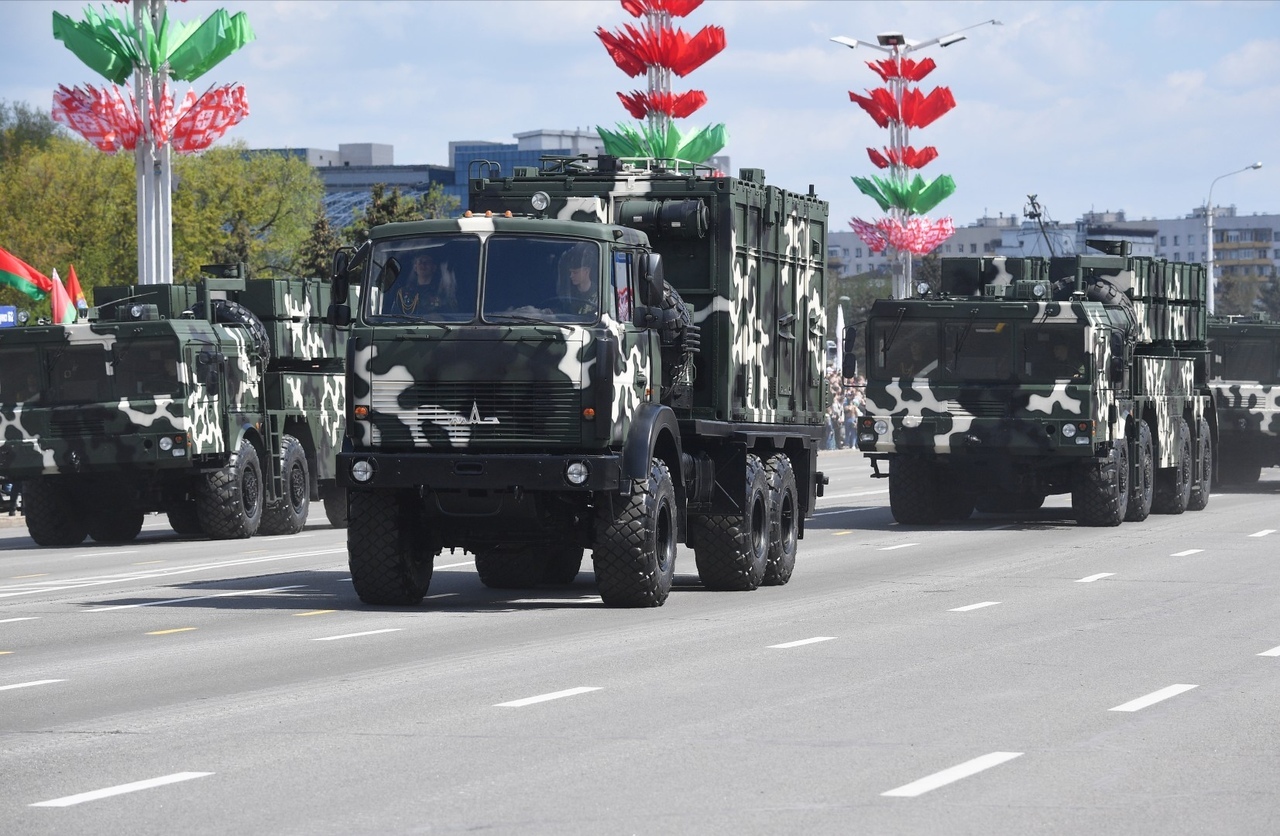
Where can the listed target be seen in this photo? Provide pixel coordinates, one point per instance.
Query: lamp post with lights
(1208, 215)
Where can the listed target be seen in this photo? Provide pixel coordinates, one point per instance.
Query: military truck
(219, 404)
(1245, 376)
(1018, 378)
(614, 355)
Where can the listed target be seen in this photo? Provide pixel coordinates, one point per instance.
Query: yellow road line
(37, 575)
(840, 533)
(6, 652)
(148, 562)
(167, 632)
(313, 612)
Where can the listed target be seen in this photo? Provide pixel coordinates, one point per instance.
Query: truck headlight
(881, 426)
(577, 473)
(540, 201)
(362, 470)
(1068, 430)
(166, 443)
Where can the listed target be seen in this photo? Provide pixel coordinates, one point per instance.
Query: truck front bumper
(444, 471)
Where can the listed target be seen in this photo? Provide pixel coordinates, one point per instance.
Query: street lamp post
(896, 46)
(1208, 214)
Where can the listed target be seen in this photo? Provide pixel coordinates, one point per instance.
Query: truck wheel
(387, 565)
(635, 551)
(115, 525)
(229, 501)
(1173, 484)
(227, 312)
(1142, 483)
(562, 566)
(52, 519)
(1102, 500)
(289, 514)
(1238, 470)
(510, 567)
(913, 496)
(1200, 486)
(732, 551)
(784, 531)
(184, 519)
(1007, 502)
(956, 504)
(335, 505)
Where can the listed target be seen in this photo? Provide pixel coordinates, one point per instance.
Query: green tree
(383, 207)
(1269, 298)
(436, 204)
(315, 258)
(22, 126)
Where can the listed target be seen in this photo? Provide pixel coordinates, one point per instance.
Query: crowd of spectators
(847, 403)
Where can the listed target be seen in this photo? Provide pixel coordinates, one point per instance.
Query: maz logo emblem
(474, 418)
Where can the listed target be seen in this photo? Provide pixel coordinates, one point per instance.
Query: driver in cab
(579, 270)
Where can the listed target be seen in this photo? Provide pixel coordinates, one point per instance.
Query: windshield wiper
(964, 335)
(893, 335)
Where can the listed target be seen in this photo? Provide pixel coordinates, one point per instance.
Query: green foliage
(436, 204)
(23, 127)
(1269, 298)
(861, 291)
(230, 205)
(384, 207)
(315, 257)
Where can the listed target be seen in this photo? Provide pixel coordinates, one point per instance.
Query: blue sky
(1133, 106)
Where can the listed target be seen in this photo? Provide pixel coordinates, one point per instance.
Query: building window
(1177, 255)
(1175, 240)
(859, 251)
(1163, 240)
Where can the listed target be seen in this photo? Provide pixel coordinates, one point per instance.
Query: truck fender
(648, 425)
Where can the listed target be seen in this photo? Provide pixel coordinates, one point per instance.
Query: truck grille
(476, 413)
(71, 426)
(979, 408)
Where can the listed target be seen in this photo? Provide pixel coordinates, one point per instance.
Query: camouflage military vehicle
(612, 355)
(1027, 377)
(220, 405)
(1245, 373)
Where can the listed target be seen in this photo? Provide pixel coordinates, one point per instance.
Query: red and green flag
(22, 276)
(61, 306)
(74, 291)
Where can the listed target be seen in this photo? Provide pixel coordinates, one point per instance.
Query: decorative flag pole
(658, 50)
(899, 107)
(152, 49)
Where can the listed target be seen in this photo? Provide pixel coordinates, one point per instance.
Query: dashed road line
(30, 684)
(71, 800)
(555, 695)
(1275, 651)
(197, 598)
(1097, 577)
(111, 552)
(1186, 553)
(313, 612)
(358, 635)
(28, 577)
(899, 546)
(456, 565)
(950, 776)
(442, 595)
(840, 533)
(974, 606)
(170, 632)
(24, 618)
(1263, 533)
(801, 642)
(1152, 698)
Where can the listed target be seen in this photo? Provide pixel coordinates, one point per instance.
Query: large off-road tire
(956, 504)
(52, 518)
(635, 545)
(387, 550)
(229, 500)
(289, 513)
(1238, 469)
(1173, 484)
(115, 525)
(227, 312)
(1007, 502)
(562, 565)
(732, 550)
(184, 519)
(335, 505)
(510, 567)
(1203, 482)
(1142, 482)
(913, 491)
(1101, 497)
(784, 521)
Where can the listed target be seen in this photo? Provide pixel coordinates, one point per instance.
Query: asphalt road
(1003, 675)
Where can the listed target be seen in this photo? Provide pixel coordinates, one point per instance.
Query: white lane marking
(950, 776)
(899, 546)
(70, 800)
(581, 599)
(856, 493)
(1263, 533)
(571, 692)
(26, 618)
(846, 511)
(442, 595)
(108, 552)
(13, 590)
(1152, 698)
(30, 684)
(1275, 651)
(975, 606)
(358, 635)
(1187, 553)
(197, 598)
(1096, 577)
(813, 640)
(455, 565)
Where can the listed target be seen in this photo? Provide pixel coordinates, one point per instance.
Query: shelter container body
(1245, 372)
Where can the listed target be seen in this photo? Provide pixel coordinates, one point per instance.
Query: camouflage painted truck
(220, 405)
(674, 396)
(1246, 386)
(1024, 377)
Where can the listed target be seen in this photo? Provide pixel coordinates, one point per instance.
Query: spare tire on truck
(226, 312)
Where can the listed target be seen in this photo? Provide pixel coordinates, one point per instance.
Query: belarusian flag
(74, 291)
(63, 309)
(19, 274)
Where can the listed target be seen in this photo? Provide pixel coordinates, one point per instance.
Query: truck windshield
(77, 374)
(428, 279)
(979, 349)
(19, 375)
(1052, 353)
(902, 348)
(529, 278)
(145, 368)
(1252, 360)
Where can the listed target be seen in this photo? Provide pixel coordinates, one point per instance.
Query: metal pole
(1208, 214)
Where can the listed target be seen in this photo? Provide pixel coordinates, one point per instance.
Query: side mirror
(1117, 369)
(652, 283)
(849, 362)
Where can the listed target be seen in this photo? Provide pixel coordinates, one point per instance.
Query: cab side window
(623, 264)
